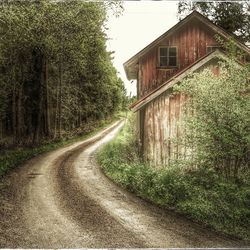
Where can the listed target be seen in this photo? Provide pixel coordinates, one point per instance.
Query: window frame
(211, 47)
(159, 57)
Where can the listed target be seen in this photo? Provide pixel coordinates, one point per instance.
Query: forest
(56, 74)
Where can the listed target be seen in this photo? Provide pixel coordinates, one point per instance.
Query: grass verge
(11, 158)
(199, 194)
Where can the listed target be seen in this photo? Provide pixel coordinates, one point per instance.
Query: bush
(200, 194)
(12, 158)
(218, 129)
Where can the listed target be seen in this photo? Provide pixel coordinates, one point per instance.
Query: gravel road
(62, 199)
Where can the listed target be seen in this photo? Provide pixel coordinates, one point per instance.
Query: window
(212, 48)
(167, 56)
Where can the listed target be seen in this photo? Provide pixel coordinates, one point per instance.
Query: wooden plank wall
(191, 42)
(162, 128)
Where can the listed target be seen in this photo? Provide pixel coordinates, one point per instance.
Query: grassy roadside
(10, 159)
(199, 194)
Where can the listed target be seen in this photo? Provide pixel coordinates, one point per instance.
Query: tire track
(62, 199)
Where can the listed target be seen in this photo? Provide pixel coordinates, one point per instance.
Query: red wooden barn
(187, 47)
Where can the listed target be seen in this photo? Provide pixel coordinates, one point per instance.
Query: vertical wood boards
(161, 129)
(191, 42)
(161, 123)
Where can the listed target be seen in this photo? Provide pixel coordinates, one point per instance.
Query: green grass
(199, 194)
(12, 158)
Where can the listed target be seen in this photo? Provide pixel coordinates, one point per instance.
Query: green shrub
(10, 159)
(200, 194)
(218, 129)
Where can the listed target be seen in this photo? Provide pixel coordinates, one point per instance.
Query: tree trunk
(47, 103)
(56, 112)
(60, 100)
(40, 79)
(1, 128)
(19, 124)
(79, 106)
(14, 112)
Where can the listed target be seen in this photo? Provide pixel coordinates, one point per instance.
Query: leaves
(200, 194)
(55, 68)
(218, 128)
(233, 16)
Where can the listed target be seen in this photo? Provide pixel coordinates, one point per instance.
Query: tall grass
(11, 158)
(200, 194)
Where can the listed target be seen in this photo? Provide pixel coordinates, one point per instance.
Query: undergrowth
(11, 158)
(201, 194)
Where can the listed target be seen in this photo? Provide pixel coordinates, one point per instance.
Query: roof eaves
(223, 32)
(134, 58)
(195, 13)
(177, 78)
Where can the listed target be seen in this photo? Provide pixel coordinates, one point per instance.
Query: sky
(140, 23)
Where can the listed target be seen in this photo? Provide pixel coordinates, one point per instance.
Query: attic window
(212, 48)
(167, 56)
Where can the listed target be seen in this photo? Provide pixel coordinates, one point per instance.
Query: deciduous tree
(233, 16)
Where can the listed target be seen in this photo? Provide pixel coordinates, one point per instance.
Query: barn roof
(199, 64)
(131, 65)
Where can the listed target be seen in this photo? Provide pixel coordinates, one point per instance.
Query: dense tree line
(233, 16)
(55, 71)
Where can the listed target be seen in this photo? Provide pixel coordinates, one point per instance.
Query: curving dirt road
(61, 199)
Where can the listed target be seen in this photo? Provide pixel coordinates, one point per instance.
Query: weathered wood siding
(159, 118)
(191, 41)
(161, 128)
(161, 123)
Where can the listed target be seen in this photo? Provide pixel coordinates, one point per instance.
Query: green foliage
(233, 16)
(218, 118)
(55, 71)
(231, 49)
(11, 158)
(200, 194)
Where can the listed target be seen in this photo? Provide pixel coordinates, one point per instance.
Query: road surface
(62, 199)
